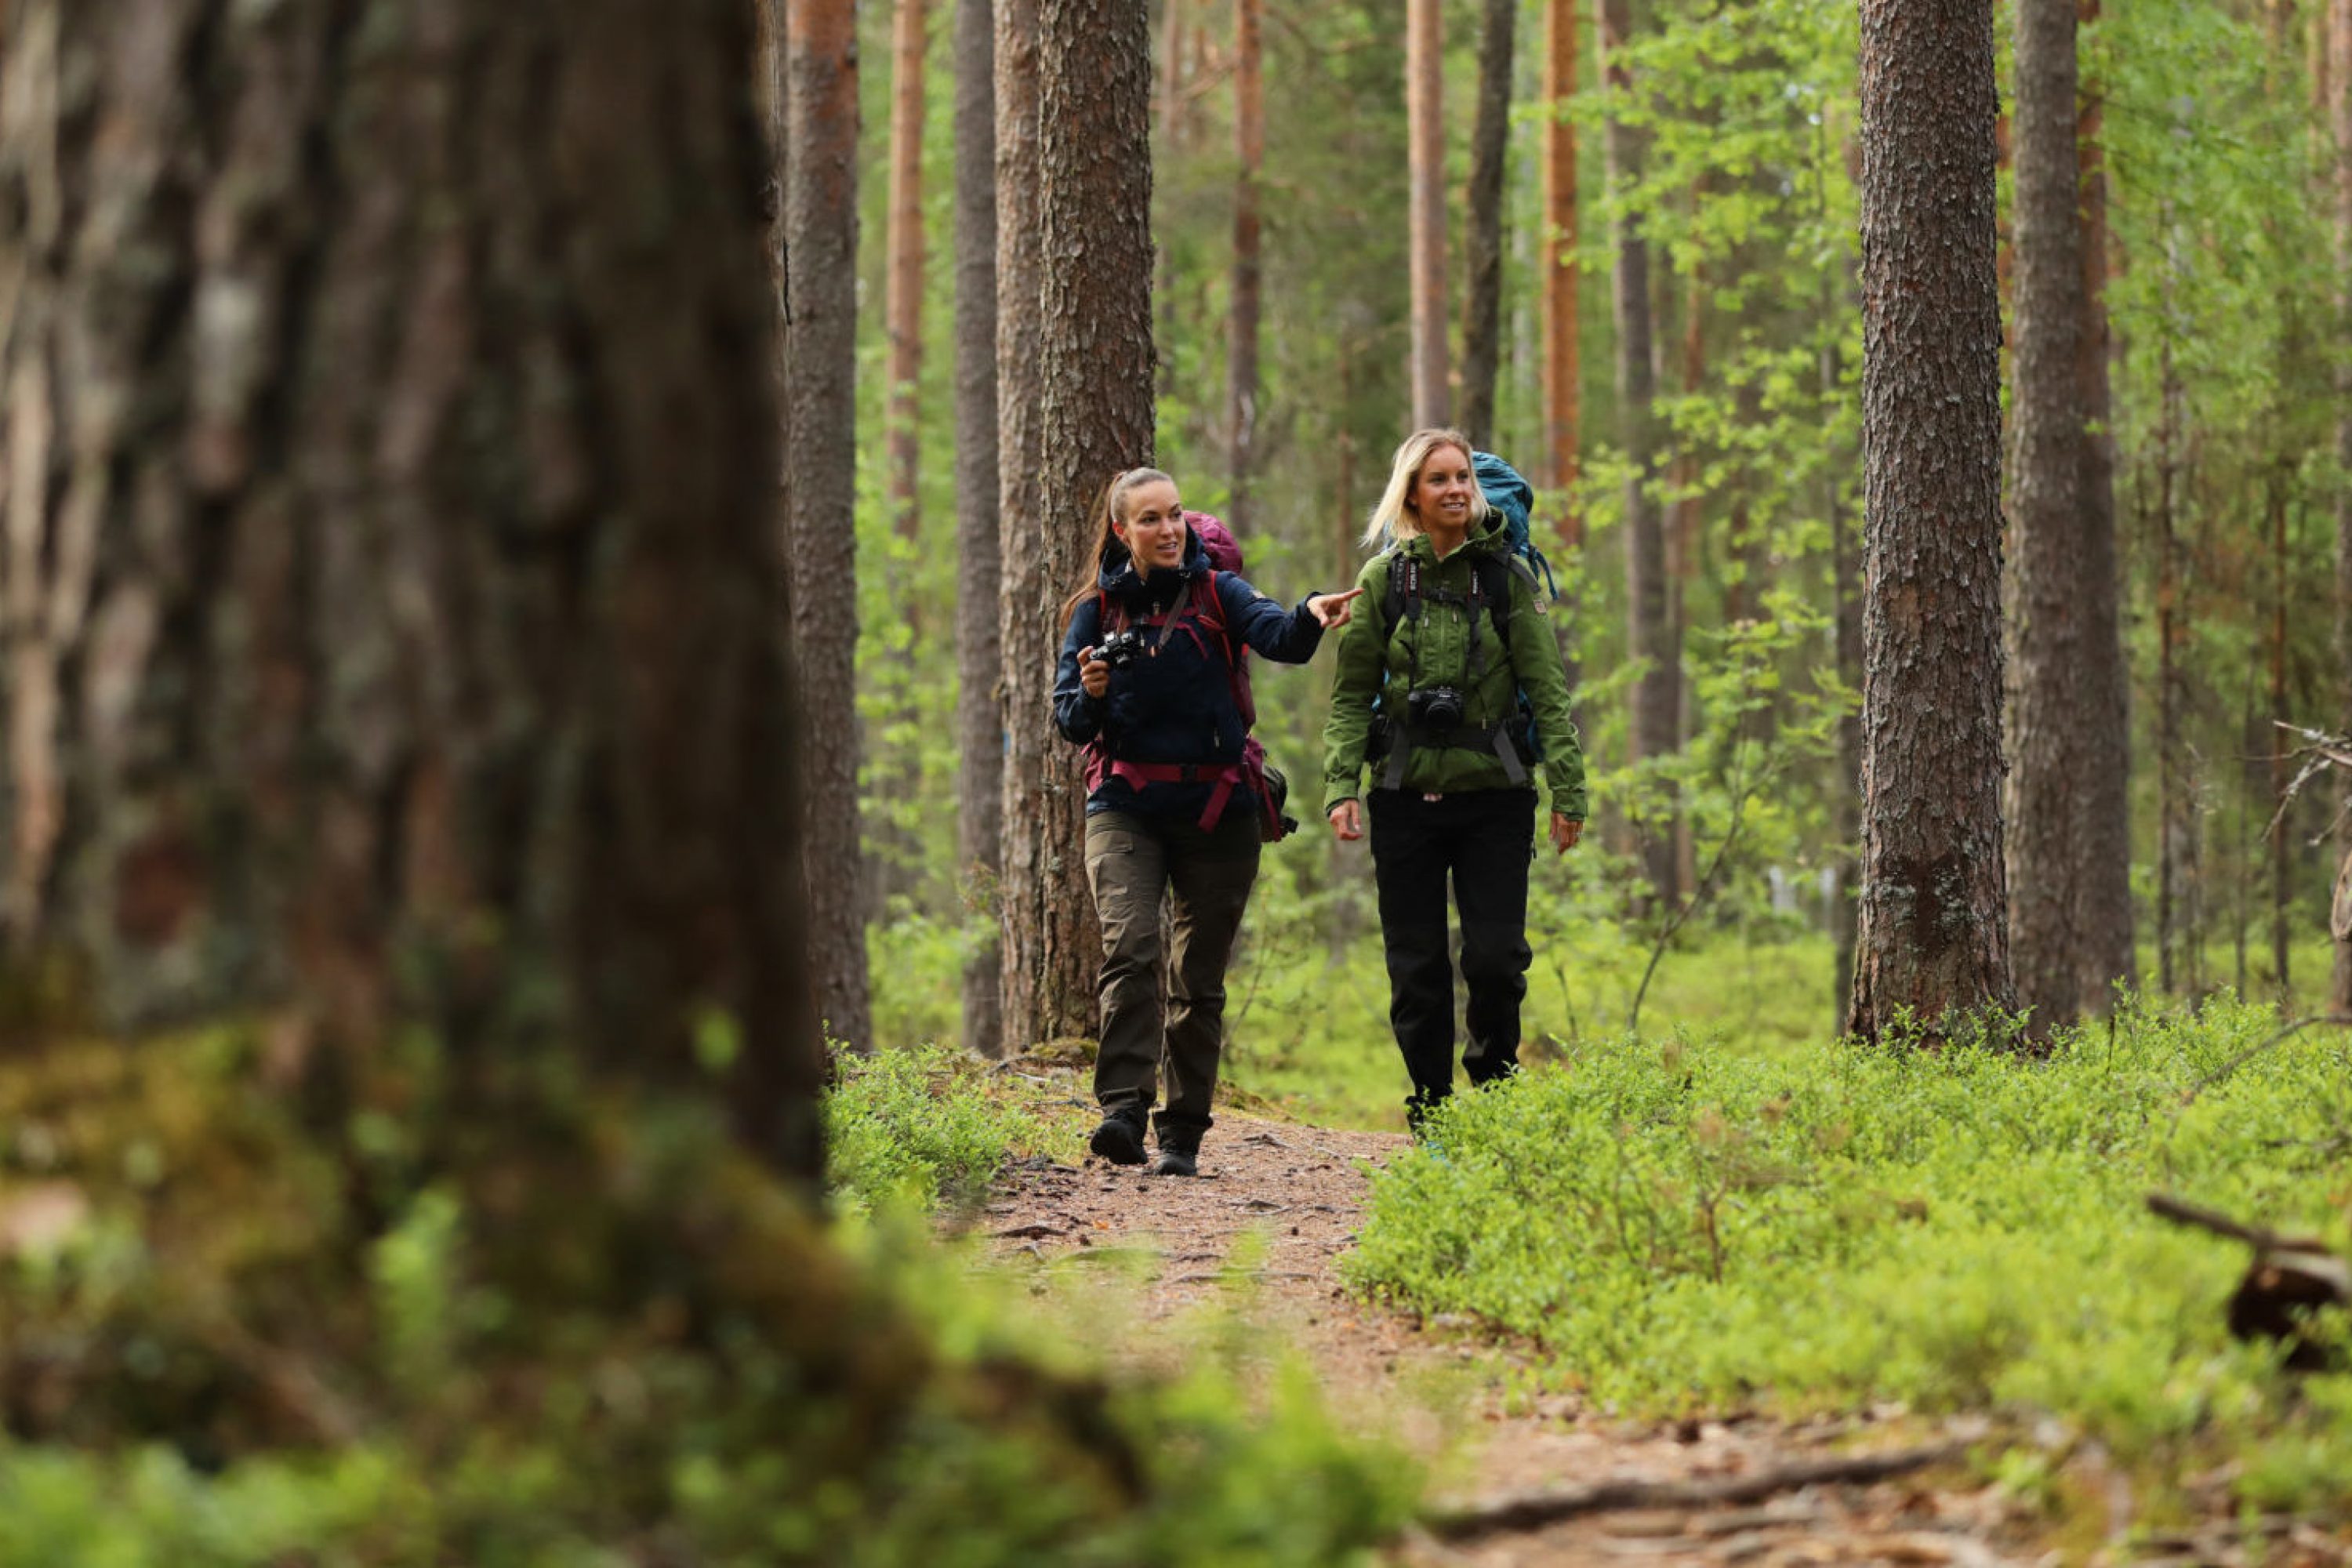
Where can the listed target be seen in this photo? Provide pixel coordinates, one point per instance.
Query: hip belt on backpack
(1402, 740)
(1135, 775)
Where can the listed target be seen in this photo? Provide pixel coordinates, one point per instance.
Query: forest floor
(1245, 1259)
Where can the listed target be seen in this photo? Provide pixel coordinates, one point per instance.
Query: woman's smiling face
(1441, 492)
(1153, 528)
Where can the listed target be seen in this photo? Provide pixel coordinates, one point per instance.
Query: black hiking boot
(1119, 1138)
(1179, 1151)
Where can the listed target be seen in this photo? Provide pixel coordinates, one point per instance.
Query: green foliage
(568, 1330)
(926, 1126)
(1685, 1225)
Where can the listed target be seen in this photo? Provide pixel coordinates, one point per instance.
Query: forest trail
(1262, 1232)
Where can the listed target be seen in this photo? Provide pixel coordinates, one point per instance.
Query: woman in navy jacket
(1176, 796)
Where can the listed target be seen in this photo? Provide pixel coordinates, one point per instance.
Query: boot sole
(1119, 1143)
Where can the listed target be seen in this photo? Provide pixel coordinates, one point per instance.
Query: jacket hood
(1119, 577)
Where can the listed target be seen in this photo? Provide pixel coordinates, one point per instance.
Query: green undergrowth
(926, 1127)
(573, 1327)
(1681, 1227)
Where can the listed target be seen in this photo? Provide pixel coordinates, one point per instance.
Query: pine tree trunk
(2173, 804)
(1933, 937)
(1249, 157)
(1562, 383)
(979, 645)
(1171, 99)
(821, 492)
(2056, 580)
(1652, 731)
(1481, 319)
(2107, 953)
(2338, 87)
(903, 298)
(415, 655)
(1424, 74)
(2270, 742)
(1093, 361)
(1048, 973)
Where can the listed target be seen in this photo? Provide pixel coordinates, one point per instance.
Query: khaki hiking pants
(1129, 861)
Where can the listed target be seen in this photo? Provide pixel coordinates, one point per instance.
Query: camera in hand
(1122, 648)
(1436, 709)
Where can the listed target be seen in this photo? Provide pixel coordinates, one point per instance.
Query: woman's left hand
(1565, 832)
(1333, 610)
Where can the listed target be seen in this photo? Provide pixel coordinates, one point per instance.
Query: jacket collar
(1118, 575)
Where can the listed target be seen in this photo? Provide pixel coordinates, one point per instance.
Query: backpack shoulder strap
(1496, 573)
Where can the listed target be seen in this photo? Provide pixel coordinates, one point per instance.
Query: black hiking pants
(1485, 840)
(1130, 862)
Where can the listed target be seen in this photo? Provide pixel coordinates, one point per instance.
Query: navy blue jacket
(1177, 705)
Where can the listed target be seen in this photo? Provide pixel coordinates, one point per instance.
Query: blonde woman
(1450, 687)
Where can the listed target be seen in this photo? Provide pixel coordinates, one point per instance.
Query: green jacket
(1372, 659)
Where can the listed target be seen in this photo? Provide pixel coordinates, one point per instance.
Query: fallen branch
(2251, 1052)
(1533, 1511)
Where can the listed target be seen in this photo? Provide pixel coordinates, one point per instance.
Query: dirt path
(1262, 1230)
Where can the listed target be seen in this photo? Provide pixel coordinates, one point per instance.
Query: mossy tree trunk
(394, 611)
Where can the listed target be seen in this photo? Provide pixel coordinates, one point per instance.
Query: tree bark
(1095, 368)
(1481, 319)
(1249, 157)
(2067, 873)
(903, 295)
(2175, 820)
(1652, 730)
(395, 611)
(2338, 97)
(1932, 939)
(1044, 975)
(821, 490)
(1424, 68)
(1562, 383)
(979, 645)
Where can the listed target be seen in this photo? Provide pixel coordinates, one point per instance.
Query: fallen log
(1535, 1510)
(2291, 1277)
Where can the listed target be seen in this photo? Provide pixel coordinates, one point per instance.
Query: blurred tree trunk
(2068, 853)
(416, 654)
(980, 643)
(1652, 730)
(902, 308)
(2337, 86)
(2175, 857)
(1562, 388)
(1933, 937)
(1424, 75)
(1171, 101)
(1249, 158)
(821, 490)
(1482, 317)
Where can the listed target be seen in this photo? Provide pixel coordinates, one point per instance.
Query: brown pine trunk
(1094, 417)
(2174, 855)
(1847, 577)
(373, 722)
(980, 644)
(2056, 578)
(1170, 101)
(1562, 385)
(1424, 68)
(903, 295)
(2337, 86)
(1649, 633)
(1933, 937)
(1481, 317)
(820, 340)
(1046, 970)
(2105, 899)
(1249, 156)
(2272, 744)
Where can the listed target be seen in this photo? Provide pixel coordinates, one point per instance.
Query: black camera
(1122, 648)
(1437, 708)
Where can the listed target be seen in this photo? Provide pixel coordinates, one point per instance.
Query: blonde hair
(1392, 519)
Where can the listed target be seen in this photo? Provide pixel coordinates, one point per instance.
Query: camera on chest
(1437, 708)
(1122, 648)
